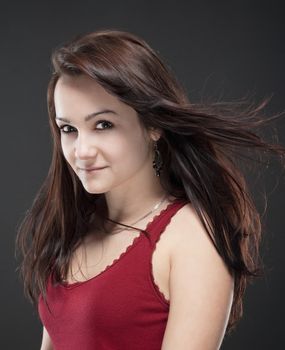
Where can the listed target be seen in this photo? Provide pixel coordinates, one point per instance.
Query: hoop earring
(157, 161)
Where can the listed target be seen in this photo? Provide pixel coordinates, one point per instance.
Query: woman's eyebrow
(89, 116)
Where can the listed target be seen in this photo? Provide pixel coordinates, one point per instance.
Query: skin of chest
(95, 254)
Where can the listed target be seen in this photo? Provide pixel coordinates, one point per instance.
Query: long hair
(201, 145)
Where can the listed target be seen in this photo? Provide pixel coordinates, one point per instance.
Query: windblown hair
(201, 145)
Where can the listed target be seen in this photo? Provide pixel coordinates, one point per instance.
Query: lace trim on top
(135, 241)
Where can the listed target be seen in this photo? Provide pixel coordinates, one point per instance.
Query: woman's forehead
(85, 96)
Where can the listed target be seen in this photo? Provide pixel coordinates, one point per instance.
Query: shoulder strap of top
(160, 221)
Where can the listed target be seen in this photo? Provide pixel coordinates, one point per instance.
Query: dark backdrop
(216, 48)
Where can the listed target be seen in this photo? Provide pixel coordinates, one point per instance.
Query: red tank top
(121, 308)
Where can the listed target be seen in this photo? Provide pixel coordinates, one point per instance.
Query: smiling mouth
(91, 170)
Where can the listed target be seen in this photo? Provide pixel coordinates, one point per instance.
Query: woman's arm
(201, 288)
(46, 341)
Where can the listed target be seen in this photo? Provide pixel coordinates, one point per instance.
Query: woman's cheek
(66, 150)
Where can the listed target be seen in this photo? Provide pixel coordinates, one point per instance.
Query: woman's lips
(91, 170)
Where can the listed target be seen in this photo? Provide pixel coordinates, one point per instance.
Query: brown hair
(201, 145)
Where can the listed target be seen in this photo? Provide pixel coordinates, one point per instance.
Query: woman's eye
(66, 131)
(105, 123)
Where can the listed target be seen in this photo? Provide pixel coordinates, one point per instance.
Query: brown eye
(67, 130)
(106, 124)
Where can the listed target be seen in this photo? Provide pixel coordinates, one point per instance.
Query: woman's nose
(85, 148)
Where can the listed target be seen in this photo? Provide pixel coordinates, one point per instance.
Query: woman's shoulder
(186, 227)
(185, 215)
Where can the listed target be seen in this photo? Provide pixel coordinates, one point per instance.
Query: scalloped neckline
(134, 242)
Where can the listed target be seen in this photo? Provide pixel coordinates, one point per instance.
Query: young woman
(144, 234)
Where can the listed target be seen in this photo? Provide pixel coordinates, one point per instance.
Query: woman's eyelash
(110, 125)
(61, 128)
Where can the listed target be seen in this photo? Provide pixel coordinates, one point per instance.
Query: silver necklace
(144, 216)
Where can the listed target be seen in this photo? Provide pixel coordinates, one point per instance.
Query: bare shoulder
(186, 224)
(189, 240)
(200, 286)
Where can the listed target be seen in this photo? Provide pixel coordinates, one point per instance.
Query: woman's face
(98, 130)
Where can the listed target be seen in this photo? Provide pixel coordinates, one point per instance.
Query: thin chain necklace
(144, 216)
(157, 205)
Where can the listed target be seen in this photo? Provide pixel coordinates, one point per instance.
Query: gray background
(216, 48)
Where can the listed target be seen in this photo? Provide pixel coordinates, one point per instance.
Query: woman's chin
(94, 189)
